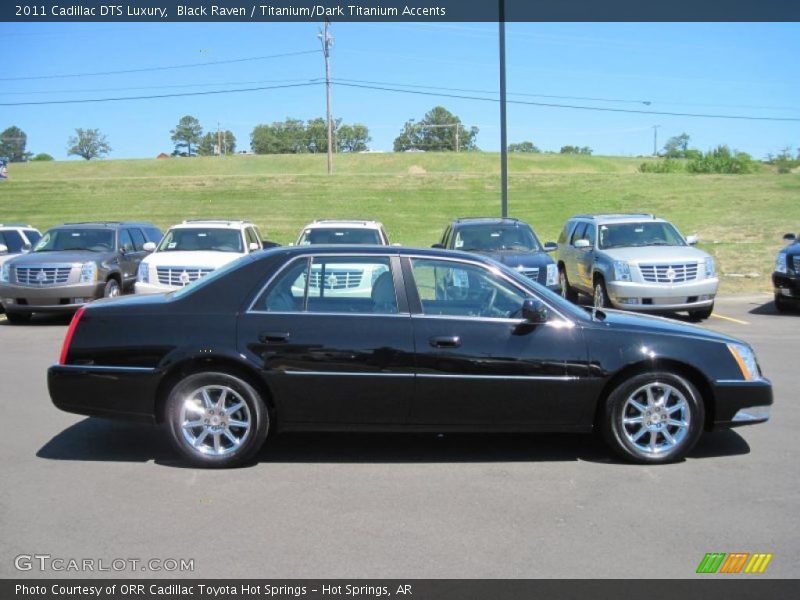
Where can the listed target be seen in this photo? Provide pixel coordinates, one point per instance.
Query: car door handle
(445, 341)
(273, 337)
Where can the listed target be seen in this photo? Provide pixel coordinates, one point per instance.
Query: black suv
(786, 277)
(509, 241)
(73, 264)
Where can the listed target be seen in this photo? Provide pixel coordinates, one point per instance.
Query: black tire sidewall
(701, 314)
(18, 318)
(602, 283)
(258, 412)
(109, 284)
(568, 293)
(612, 426)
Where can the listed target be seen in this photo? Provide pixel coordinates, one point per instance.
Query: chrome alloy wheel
(599, 296)
(656, 418)
(562, 279)
(215, 420)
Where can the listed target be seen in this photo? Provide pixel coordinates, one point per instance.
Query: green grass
(740, 218)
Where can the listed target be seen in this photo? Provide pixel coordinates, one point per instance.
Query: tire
(701, 314)
(781, 305)
(600, 297)
(567, 291)
(18, 318)
(653, 439)
(214, 441)
(112, 289)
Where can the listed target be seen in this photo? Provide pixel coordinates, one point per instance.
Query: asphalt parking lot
(421, 506)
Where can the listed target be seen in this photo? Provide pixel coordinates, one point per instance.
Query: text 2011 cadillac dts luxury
(434, 340)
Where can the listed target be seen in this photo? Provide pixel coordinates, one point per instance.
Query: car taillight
(70, 332)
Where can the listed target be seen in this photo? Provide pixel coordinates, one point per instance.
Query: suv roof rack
(361, 221)
(28, 225)
(459, 219)
(614, 216)
(228, 221)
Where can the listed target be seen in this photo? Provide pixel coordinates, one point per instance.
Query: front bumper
(56, 298)
(153, 288)
(127, 393)
(786, 285)
(738, 403)
(632, 295)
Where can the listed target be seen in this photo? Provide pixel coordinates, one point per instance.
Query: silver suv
(636, 262)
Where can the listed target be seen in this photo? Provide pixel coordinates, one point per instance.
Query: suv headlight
(622, 271)
(88, 272)
(552, 274)
(781, 266)
(711, 268)
(143, 274)
(746, 359)
(5, 273)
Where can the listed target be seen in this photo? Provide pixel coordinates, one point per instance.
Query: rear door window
(138, 239)
(125, 241)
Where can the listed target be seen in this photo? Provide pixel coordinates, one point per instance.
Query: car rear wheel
(701, 314)
(16, 318)
(216, 419)
(567, 291)
(112, 289)
(653, 418)
(600, 297)
(781, 304)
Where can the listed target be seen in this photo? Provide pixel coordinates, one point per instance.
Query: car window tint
(153, 234)
(138, 238)
(287, 292)
(33, 236)
(125, 241)
(578, 232)
(358, 284)
(460, 289)
(13, 240)
(589, 234)
(251, 238)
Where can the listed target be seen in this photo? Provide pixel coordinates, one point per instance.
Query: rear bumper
(634, 295)
(786, 286)
(117, 392)
(732, 399)
(62, 298)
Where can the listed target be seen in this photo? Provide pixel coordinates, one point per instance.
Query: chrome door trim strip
(430, 375)
(106, 368)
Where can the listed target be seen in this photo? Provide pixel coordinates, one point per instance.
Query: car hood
(199, 258)
(648, 254)
(650, 323)
(33, 259)
(516, 259)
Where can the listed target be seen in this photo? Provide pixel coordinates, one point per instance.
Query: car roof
(104, 224)
(221, 223)
(16, 226)
(354, 223)
(487, 221)
(620, 217)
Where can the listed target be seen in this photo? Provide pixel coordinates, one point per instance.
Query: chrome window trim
(104, 368)
(430, 375)
(344, 374)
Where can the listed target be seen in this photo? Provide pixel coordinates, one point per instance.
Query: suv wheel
(16, 318)
(600, 297)
(781, 304)
(216, 419)
(701, 314)
(112, 289)
(653, 418)
(567, 291)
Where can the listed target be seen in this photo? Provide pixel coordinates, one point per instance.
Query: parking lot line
(731, 319)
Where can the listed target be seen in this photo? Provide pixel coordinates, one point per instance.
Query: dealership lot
(398, 505)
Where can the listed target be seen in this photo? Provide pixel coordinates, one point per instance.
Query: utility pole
(458, 145)
(503, 124)
(219, 141)
(655, 139)
(327, 41)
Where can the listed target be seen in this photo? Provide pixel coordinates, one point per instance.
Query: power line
(569, 106)
(176, 95)
(170, 67)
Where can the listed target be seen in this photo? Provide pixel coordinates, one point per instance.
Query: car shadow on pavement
(95, 439)
(54, 320)
(768, 308)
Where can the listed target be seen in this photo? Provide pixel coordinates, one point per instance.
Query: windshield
(566, 308)
(202, 238)
(211, 277)
(340, 235)
(94, 240)
(497, 237)
(649, 233)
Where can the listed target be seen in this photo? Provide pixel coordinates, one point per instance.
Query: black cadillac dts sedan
(397, 339)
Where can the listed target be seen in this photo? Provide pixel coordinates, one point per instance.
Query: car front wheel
(567, 291)
(601, 299)
(216, 419)
(112, 289)
(701, 314)
(653, 418)
(17, 318)
(781, 304)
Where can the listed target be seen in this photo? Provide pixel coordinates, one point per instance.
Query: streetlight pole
(503, 124)
(655, 139)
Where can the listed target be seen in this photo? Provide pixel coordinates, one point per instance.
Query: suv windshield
(649, 233)
(202, 238)
(95, 240)
(496, 237)
(339, 235)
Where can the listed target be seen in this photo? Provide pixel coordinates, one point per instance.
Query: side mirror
(582, 244)
(692, 240)
(790, 238)
(534, 311)
(254, 246)
(149, 246)
(3, 249)
(440, 246)
(550, 247)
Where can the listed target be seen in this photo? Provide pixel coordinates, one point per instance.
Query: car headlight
(746, 359)
(88, 272)
(622, 271)
(711, 268)
(781, 266)
(552, 274)
(5, 273)
(143, 274)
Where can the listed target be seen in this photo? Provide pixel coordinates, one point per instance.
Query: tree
(42, 156)
(12, 144)
(88, 143)
(576, 150)
(186, 134)
(208, 145)
(524, 147)
(722, 160)
(438, 131)
(677, 146)
(352, 138)
(281, 137)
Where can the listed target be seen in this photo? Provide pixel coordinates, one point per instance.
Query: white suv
(192, 249)
(16, 239)
(330, 231)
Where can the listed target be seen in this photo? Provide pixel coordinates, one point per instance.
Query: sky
(745, 69)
